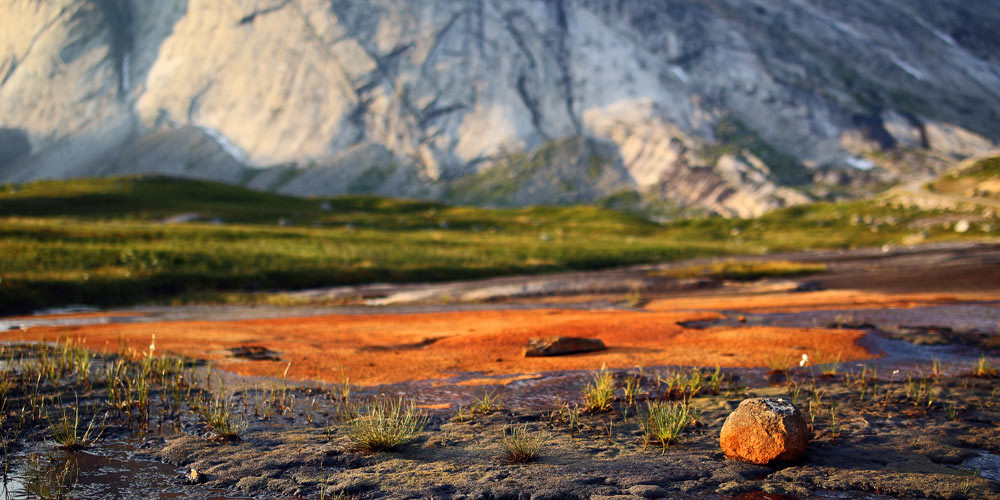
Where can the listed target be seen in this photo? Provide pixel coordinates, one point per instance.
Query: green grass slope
(105, 242)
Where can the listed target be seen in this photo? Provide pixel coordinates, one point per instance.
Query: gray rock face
(725, 105)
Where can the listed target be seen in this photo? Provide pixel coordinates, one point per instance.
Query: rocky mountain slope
(727, 106)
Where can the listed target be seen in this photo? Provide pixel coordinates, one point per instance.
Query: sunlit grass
(664, 422)
(521, 446)
(103, 242)
(386, 424)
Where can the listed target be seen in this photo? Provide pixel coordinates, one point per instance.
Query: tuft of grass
(67, 431)
(599, 394)
(386, 424)
(217, 413)
(632, 388)
(664, 421)
(686, 385)
(521, 446)
(487, 404)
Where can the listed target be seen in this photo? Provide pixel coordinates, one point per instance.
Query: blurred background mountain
(732, 107)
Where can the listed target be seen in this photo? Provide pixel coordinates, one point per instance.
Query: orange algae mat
(385, 348)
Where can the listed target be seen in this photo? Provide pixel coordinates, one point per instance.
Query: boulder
(765, 430)
(557, 346)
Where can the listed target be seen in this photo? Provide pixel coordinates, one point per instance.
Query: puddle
(986, 464)
(108, 472)
(889, 332)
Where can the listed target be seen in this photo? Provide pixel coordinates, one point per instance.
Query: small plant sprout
(632, 388)
(217, 414)
(936, 368)
(778, 363)
(600, 392)
(831, 365)
(813, 413)
(521, 446)
(487, 404)
(386, 424)
(834, 426)
(664, 421)
(953, 411)
(984, 369)
(794, 388)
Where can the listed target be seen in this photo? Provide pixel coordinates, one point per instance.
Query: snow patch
(231, 149)
(910, 70)
(859, 163)
(126, 80)
(680, 73)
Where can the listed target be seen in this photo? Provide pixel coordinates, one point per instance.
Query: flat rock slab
(254, 352)
(558, 346)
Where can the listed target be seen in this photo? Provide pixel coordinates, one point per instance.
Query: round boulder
(765, 430)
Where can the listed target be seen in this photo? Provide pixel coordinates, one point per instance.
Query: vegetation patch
(745, 270)
(113, 242)
(520, 445)
(386, 424)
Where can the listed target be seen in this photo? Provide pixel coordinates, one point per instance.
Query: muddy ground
(895, 339)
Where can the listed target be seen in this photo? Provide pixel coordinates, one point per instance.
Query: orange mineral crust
(385, 348)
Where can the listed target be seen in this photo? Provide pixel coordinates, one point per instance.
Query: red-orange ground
(382, 348)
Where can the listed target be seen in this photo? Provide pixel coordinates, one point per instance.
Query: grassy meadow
(110, 242)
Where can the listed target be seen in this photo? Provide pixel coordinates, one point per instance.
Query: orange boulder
(765, 430)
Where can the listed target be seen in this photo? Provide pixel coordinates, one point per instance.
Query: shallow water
(111, 471)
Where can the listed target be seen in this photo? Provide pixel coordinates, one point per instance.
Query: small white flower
(804, 361)
(894, 372)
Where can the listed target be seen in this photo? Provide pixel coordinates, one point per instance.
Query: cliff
(726, 106)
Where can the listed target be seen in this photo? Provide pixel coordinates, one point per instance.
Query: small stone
(557, 346)
(765, 430)
(194, 477)
(961, 226)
